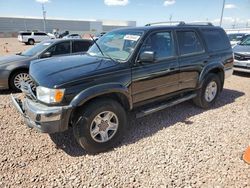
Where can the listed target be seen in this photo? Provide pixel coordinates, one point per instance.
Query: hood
(53, 72)
(242, 49)
(5, 60)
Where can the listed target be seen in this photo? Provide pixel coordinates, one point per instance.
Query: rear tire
(208, 93)
(100, 125)
(31, 42)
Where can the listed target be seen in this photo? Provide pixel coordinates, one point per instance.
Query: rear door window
(40, 34)
(216, 39)
(25, 34)
(80, 46)
(189, 43)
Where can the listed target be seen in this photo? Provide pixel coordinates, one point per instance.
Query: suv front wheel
(100, 125)
(207, 94)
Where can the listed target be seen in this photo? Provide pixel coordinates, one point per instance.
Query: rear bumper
(43, 118)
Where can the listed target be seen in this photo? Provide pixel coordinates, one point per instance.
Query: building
(10, 26)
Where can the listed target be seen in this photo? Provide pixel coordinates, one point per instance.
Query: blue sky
(142, 11)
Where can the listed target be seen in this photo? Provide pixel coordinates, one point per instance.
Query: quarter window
(189, 42)
(161, 43)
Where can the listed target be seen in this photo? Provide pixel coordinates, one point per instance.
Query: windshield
(117, 45)
(36, 49)
(246, 41)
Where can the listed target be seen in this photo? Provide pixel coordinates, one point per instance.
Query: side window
(60, 49)
(216, 39)
(40, 34)
(161, 43)
(80, 46)
(189, 42)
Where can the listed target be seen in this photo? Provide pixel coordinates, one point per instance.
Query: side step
(163, 105)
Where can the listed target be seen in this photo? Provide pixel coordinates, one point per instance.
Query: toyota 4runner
(151, 67)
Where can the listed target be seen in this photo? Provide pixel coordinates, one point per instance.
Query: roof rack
(166, 23)
(181, 23)
(200, 23)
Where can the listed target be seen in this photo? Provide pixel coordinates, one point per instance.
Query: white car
(72, 36)
(32, 37)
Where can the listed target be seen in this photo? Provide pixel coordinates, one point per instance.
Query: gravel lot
(182, 146)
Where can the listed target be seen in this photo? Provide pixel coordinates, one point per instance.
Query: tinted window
(216, 39)
(25, 34)
(189, 42)
(80, 46)
(41, 34)
(59, 49)
(161, 44)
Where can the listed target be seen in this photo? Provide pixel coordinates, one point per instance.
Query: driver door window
(161, 43)
(60, 49)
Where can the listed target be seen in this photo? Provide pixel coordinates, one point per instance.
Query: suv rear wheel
(100, 125)
(31, 42)
(207, 94)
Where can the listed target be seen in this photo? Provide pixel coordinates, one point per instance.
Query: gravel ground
(182, 146)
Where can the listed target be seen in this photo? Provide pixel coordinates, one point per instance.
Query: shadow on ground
(149, 125)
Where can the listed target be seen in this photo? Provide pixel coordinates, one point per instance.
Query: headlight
(48, 95)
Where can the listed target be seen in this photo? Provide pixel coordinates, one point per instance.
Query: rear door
(192, 57)
(160, 77)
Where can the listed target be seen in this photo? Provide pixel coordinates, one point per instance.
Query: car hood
(5, 60)
(54, 72)
(242, 49)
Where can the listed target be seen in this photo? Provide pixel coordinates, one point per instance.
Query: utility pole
(222, 12)
(44, 18)
(170, 19)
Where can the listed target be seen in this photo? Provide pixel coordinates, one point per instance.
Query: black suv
(151, 67)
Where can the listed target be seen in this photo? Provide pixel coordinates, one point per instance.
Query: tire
(21, 75)
(31, 42)
(203, 99)
(89, 132)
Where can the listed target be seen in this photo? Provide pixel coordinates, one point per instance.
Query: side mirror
(46, 55)
(147, 56)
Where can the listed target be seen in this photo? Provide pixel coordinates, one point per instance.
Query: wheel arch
(215, 69)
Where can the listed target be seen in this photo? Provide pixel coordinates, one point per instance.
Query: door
(192, 58)
(159, 77)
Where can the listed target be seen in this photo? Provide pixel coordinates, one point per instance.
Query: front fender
(99, 90)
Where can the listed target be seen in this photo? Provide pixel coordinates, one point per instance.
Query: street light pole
(222, 12)
(44, 18)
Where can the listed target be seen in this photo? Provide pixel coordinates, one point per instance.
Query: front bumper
(242, 66)
(43, 118)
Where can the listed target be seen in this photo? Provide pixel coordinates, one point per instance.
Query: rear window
(24, 33)
(41, 34)
(216, 39)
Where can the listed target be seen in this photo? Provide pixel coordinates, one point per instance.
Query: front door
(161, 76)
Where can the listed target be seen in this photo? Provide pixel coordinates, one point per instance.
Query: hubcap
(104, 126)
(22, 77)
(211, 91)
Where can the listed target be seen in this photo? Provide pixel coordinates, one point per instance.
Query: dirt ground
(182, 146)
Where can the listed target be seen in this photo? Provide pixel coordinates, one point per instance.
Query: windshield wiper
(99, 48)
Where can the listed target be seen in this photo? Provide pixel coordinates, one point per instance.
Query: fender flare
(208, 69)
(99, 90)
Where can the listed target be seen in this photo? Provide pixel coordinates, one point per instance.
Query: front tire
(208, 93)
(17, 78)
(100, 125)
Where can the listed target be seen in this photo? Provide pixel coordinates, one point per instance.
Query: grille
(241, 57)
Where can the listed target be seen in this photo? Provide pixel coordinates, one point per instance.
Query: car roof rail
(166, 23)
(200, 23)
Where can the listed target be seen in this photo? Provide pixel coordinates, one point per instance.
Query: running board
(164, 105)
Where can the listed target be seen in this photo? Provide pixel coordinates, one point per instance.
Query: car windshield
(246, 41)
(118, 45)
(36, 49)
